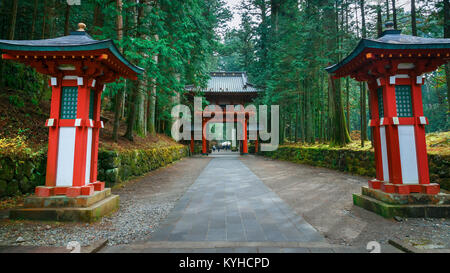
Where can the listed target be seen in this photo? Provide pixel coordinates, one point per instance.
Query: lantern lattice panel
(69, 98)
(403, 100)
(91, 104)
(380, 102)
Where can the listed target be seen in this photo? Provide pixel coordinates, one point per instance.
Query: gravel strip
(144, 202)
(324, 198)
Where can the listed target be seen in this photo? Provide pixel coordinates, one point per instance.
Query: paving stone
(269, 250)
(245, 250)
(233, 206)
(204, 250)
(225, 250)
(294, 250)
(180, 250)
(216, 235)
(320, 250)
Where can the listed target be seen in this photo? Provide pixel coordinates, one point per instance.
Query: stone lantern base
(413, 205)
(83, 208)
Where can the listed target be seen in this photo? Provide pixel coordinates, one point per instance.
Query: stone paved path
(228, 209)
(228, 202)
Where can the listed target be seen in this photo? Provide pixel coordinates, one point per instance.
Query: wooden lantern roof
(390, 54)
(77, 54)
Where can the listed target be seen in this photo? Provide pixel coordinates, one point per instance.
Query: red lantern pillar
(245, 141)
(98, 186)
(204, 149)
(256, 142)
(192, 146)
(73, 138)
(398, 127)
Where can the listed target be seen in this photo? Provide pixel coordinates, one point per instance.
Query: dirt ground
(324, 198)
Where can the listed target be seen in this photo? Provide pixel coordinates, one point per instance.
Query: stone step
(232, 247)
(62, 201)
(70, 214)
(408, 211)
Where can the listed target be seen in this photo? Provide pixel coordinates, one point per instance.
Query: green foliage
(181, 34)
(435, 102)
(291, 42)
(16, 147)
(16, 101)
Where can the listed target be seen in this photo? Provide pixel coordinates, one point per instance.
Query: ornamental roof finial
(81, 27)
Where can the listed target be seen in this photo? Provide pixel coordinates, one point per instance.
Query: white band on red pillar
(66, 154)
(408, 154)
(423, 120)
(50, 122)
(392, 80)
(419, 80)
(384, 156)
(395, 121)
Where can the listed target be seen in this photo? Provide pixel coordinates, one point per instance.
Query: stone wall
(356, 162)
(21, 176)
(114, 167)
(18, 175)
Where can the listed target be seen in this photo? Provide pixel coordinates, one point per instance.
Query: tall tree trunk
(413, 18)
(379, 21)
(120, 92)
(137, 100)
(44, 19)
(151, 110)
(297, 120)
(447, 35)
(52, 19)
(363, 85)
(131, 121)
(394, 14)
(339, 133)
(275, 6)
(33, 23)
(66, 23)
(12, 27)
(363, 113)
(387, 11)
(356, 19)
(98, 20)
(363, 19)
(347, 84)
(347, 79)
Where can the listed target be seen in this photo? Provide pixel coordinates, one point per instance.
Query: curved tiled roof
(391, 40)
(228, 82)
(76, 41)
